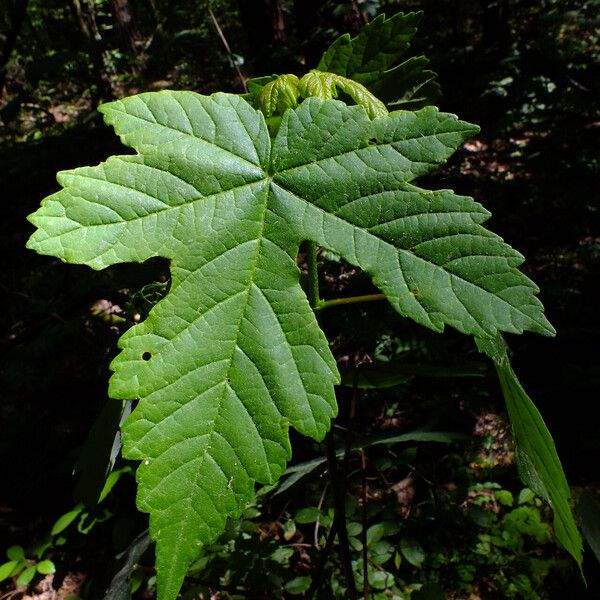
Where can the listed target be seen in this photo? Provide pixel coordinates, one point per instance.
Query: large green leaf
(537, 459)
(233, 355)
(374, 58)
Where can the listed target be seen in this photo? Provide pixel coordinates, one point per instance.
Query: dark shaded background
(527, 72)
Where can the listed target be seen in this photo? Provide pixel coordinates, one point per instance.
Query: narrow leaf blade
(381, 375)
(120, 586)
(537, 459)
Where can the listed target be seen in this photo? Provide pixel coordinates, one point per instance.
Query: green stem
(338, 487)
(313, 275)
(319, 570)
(365, 524)
(323, 304)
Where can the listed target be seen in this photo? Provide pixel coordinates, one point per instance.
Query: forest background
(528, 73)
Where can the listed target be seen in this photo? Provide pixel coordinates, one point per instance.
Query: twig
(227, 48)
(297, 545)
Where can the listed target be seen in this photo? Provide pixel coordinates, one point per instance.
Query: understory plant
(231, 189)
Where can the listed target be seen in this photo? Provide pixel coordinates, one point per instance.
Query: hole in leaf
(372, 141)
(146, 356)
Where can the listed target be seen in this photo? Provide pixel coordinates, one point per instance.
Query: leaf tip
(549, 330)
(105, 108)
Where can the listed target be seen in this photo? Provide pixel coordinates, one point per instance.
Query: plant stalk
(317, 575)
(338, 481)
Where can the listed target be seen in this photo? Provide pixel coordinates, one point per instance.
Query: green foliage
(297, 473)
(61, 546)
(232, 355)
(506, 535)
(367, 68)
(476, 538)
(87, 518)
(23, 569)
(278, 95)
(267, 202)
(547, 76)
(373, 58)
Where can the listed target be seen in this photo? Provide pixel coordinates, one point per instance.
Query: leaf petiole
(313, 285)
(313, 276)
(324, 304)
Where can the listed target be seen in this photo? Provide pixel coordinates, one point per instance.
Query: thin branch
(227, 48)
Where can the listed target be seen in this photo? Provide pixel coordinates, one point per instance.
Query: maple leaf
(233, 354)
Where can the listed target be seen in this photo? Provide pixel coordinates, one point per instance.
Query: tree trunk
(17, 17)
(127, 33)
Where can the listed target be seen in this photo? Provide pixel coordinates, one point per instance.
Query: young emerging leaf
(233, 355)
(282, 92)
(278, 95)
(325, 86)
